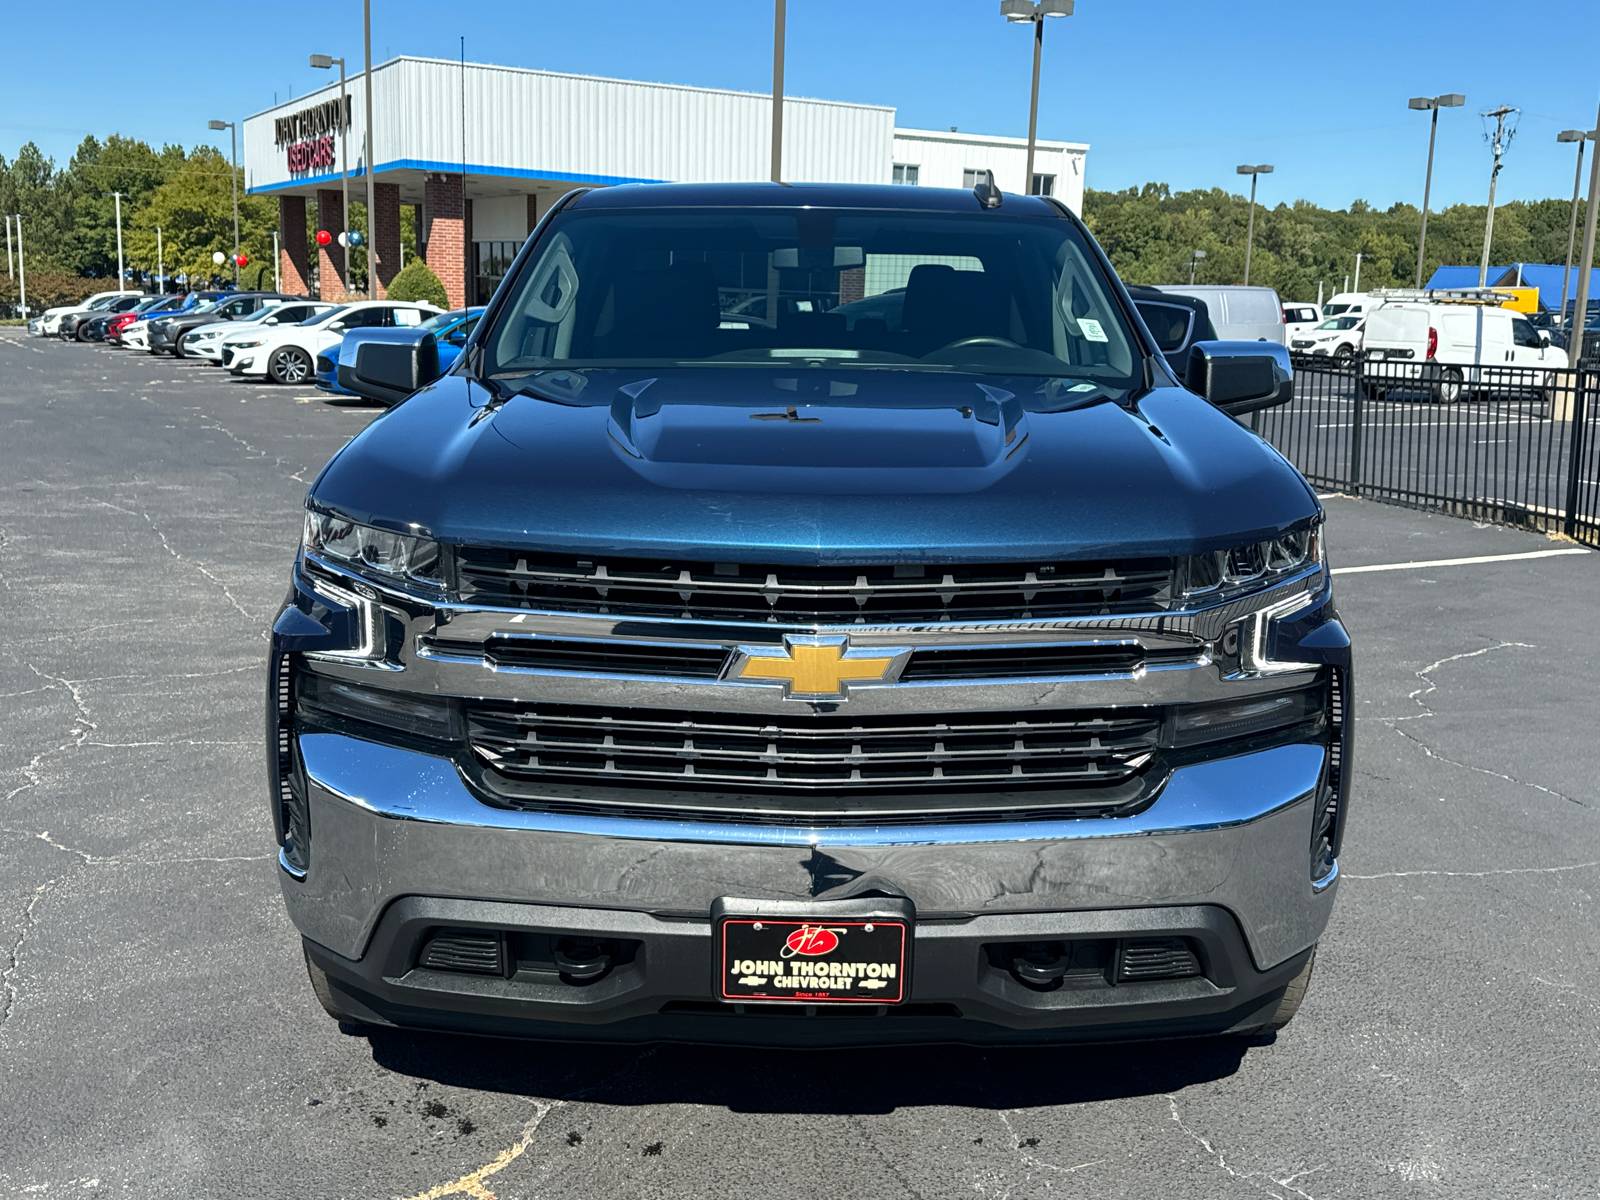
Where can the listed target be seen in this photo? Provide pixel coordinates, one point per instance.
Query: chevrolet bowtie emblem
(816, 667)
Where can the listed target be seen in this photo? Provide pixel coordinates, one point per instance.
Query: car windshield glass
(989, 294)
(1340, 323)
(327, 315)
(443, 320)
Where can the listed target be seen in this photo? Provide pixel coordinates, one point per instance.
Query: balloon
(242, 259)
(344, 239)
(356, 239)
(219, 258)
(324, 238)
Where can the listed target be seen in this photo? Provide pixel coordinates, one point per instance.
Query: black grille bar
(808, 595)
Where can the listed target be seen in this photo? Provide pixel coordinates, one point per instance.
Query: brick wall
(333, 283)
(386, 234)
(294, 265)
(447, 235)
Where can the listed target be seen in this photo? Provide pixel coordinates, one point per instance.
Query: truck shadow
(837, 1081)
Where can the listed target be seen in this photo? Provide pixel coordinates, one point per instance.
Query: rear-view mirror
(387, 365)
(824, 259)
(1240, 377)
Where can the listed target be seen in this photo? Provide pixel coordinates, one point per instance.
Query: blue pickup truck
(950, 669)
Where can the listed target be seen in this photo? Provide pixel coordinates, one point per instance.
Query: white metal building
(484, 150)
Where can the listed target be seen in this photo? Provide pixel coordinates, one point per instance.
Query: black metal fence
(1517, 445)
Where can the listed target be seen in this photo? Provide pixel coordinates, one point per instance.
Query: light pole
(1498, 143)
(117, 196)
(1194, 257)
(233, 144)
(9, 274)
(1579, 136)
(1250, 231)
(277, 264)
(1023, 12)
(22, 271)
(779, 21)
(1580, 313)
(1430, 104)
(323, 62)
(372, 192)
(161, 265)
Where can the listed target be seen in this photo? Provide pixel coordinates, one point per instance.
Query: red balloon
(324, 238)
(242, 259)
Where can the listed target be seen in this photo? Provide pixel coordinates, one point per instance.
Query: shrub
(417, 282)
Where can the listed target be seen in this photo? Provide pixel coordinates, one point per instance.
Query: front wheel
(177, 347)
(1292, 997)
(83, 333)
(1344, 355)
(289, 365)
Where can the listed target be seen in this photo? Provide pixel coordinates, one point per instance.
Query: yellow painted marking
(816, 670)
(472, 1184)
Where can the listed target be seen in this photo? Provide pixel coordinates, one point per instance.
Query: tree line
(1150, 233)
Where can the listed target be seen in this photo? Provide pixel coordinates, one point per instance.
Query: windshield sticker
(1091, 329)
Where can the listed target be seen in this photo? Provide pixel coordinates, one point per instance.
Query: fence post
(1355, 424)
(1580, 381)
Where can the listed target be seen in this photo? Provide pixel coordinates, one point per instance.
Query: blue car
(450, 330)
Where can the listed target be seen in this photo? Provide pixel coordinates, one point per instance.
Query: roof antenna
(987, 193)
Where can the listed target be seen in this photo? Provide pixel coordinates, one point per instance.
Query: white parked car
(1298, 318)
(288, 353)
(1444, 351)
(1337, 337)
(205, 341)
(50, 319)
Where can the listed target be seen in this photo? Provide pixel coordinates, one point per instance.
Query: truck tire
(289, 364)
(1292, 996)
(323, 991)
(1448, 389)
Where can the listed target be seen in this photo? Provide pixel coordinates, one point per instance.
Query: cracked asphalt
(158, 1038)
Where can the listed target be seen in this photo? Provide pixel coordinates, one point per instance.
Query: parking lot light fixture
(1250, 230)
(1023, 12)
(233, 145)
(1430, 104)
(323, 62)
(1580, 136)
(1195, 256)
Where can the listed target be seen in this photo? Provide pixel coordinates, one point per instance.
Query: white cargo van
(1357, 304)
(1444, 350)
(1239, 314)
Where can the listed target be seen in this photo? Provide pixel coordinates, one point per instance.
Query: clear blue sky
(1178, 91)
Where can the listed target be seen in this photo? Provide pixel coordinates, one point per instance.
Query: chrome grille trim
(834, 753)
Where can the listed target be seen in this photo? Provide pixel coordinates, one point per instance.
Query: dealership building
(483, 151)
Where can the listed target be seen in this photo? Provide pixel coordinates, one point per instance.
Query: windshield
(443, 320)
(1336, 308)
(986, 294)
(327, 314)
(1340, 323)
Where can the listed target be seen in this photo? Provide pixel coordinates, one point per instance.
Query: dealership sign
(308, 134)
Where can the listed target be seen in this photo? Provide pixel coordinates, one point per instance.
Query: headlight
(247, 345)
(373, 551)
(1222, 574)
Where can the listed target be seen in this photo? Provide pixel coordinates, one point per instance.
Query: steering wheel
(981, 340)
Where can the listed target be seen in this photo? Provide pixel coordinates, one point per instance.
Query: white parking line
(1458, 562)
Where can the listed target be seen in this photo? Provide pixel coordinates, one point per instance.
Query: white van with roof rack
(1443, 344)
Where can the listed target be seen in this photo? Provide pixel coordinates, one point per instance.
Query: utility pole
(1580, 314)
(778, 22)
(372, 192)
(22, 271)
(9, 275)
(1499, 143)
(161, 265)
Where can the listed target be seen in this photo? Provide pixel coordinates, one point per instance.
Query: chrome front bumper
(389, 823)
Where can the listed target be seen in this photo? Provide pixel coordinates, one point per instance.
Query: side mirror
(387, 365)
(269, 321)
(1240, 377)
(1544, 337)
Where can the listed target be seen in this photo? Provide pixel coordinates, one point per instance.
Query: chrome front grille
(634, 747)
(812, 595)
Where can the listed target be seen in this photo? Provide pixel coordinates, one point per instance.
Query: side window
(1169, 323)
(367, 318)
(405, 316)
(971, 176)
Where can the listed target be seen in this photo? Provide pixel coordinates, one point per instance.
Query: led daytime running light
(373, 551)
(1225, 573)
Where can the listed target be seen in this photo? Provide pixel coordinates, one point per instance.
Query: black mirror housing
(388, 364)
(1240, 377)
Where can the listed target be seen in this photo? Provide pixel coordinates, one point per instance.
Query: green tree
(118, 164)
(194, 209)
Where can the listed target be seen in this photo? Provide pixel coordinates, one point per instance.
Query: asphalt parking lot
(158, 1037)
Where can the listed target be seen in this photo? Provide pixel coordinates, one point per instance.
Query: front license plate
(818, 961)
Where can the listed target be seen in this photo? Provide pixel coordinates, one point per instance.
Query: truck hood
(813, 466)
